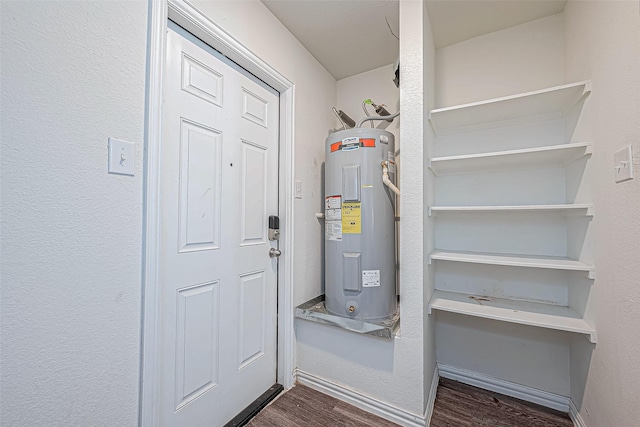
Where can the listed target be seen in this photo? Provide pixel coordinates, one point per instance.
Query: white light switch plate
(623, 168)
(298, 189)
(121, 157)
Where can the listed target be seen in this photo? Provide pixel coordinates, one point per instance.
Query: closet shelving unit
(522, 109)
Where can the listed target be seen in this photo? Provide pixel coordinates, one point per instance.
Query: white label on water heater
(333, 202)
(391, 158)
(333, 215)
(333, 208)
(370, 278)
(333, 230)
(351, 143)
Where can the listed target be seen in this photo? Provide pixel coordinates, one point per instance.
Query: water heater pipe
(364, 107)
(386, 180)
(387, 118)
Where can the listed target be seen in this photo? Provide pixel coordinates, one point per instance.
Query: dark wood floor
(457, 405)
(460, 405)
(302, 406)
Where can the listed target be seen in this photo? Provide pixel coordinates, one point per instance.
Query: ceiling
(349, 37)
(453, 21)
(346, 36)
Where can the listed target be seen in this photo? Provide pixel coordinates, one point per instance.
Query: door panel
(200, 176)
(254, 108)
(217, 282)
(201, 81)
(196, 342)
(254, 193)
(251, 329)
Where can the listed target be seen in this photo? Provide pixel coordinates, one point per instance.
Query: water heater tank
(360, 263)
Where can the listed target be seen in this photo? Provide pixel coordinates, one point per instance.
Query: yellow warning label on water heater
(351, 218)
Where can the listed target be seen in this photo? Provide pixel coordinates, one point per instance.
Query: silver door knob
(274, 253)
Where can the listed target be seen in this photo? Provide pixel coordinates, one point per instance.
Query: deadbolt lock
(274, 227)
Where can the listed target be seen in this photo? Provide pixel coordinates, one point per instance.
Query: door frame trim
(191, 19)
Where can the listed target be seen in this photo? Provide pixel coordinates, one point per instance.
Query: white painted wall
(376, 84)
(530, 356)
(602, 43)
(389, 371)
(518, 59)
(73, 74)
(315, 93)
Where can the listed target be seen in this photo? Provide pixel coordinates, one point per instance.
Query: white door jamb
(185, 15)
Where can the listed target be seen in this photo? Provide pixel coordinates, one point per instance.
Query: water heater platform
(314, 310)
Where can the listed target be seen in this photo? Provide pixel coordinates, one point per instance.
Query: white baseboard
(574, 413)
(360, 400)
(544, 398)
(432, 397)
(402, 417)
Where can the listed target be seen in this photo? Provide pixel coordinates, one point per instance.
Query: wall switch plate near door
(121, 157)
(298, 189)
(623, 168)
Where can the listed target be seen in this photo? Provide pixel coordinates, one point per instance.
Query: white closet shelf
(562, 209)
(528, 105)
(547, 262)
(513, 311)
(549, 156)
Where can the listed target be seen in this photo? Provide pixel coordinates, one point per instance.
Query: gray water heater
(360, 262)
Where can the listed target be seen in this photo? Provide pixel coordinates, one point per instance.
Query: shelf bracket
(588, 151)
(592, 337)
(591, 275)
(589, 211)
(433, 125)
(433, 172)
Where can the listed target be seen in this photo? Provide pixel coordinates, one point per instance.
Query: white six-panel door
(219, 157)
